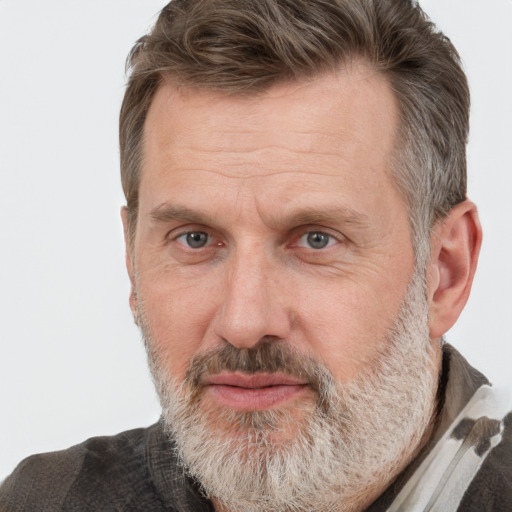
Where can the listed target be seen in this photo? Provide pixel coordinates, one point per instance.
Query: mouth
(253, 392)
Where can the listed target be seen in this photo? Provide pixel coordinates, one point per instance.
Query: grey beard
(353, 441)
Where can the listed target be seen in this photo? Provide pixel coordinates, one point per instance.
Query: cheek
(345, 324)
(178, 315)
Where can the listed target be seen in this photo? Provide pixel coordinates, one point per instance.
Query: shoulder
(491, 489)
(100, 473)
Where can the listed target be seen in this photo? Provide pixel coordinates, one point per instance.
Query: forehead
(355, 101)
(336, 130)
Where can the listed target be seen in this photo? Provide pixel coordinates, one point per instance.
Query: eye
(194, 239)
(316, 240)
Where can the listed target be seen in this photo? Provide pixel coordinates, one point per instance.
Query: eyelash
(194, 231)
(331, 239)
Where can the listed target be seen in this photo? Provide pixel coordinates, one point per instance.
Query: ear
(455, 245)
(130, 264)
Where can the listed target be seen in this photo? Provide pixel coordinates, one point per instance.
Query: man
(298, 241)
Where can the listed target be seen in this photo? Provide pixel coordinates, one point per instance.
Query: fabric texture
(466, 466)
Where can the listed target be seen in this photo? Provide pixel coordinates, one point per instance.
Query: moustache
(267, 356)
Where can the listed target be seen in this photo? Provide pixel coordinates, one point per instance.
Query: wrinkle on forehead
(280, 119)
(256, 175)
(254, 149)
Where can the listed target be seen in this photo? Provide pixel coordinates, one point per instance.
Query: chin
(256, 430)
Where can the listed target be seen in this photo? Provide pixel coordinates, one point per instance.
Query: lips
(253, 392)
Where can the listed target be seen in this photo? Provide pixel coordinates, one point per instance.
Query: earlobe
(455, 245)
(129, 264)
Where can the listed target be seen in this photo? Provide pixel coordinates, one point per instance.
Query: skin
(256, 176)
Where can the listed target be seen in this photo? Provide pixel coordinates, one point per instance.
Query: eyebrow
(167, 212)
(330, 213)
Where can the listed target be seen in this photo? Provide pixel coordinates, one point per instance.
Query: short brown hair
(245, 46)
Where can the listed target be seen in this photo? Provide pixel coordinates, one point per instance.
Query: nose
(254, 302)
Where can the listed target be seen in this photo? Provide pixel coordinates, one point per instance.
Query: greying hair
(243, 47)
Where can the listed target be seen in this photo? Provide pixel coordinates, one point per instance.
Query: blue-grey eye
(195, 239)
(318, 240)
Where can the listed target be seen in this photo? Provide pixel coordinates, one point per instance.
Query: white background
(71, 361)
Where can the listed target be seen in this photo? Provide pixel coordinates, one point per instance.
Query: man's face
(270, 220)
(273, 216)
